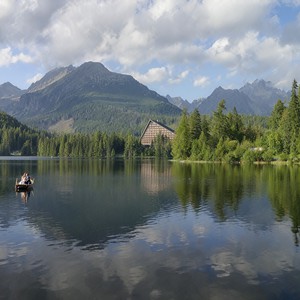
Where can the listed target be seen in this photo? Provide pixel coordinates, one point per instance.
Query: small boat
(21, 187)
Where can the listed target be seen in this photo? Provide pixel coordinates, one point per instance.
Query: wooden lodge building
(154, 128)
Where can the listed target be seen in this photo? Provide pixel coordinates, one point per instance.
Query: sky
(183, 48)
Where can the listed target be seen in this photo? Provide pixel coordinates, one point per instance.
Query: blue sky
(182, 48)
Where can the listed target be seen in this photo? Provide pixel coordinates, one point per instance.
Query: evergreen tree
(205, 127)
(26, 149)
(181, 146)
(285, 131)
(276, 115)
(236, 126)
(161, 145)
(219, 123)
(129, 151)
(201, 149)
(195, 124)
(294, 111)
(220, 150)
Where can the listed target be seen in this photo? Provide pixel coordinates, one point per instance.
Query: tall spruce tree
(276, 115)
(219, 123)
(236, 126)
(181, 147)
(294, 111)
(195, 124)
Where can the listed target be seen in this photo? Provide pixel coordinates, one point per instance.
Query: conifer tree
(276, 115)
(285, 131)
(236, 126)
(181, 146)
(219, 123)
(195, 124)
(294, 111)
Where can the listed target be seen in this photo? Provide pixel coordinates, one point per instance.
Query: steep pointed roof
(165, 128)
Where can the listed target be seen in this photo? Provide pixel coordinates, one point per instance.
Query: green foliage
(132, 147)
(16, 137)
(96, 145)
(219, 124)
(249, 156)
(234, 138)
(201, 149)
(225, 137)
(294, 110)
(181, 146)
(161, 146)
(236, 126)
(274, 120)
(109, 103)
(195, 124)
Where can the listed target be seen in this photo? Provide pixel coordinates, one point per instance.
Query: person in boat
(25, 179)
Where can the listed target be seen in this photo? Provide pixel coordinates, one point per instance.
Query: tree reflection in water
(224, 186)
(284, 194)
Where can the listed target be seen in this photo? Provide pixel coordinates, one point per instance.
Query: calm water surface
(149, 230)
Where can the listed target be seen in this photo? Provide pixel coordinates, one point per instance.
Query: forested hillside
(16, 137)
(90, 98)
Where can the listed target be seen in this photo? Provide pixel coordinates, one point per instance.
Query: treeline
(223, 136)
(227, 137)
(101, 145)
(96, 145)
(17, 139)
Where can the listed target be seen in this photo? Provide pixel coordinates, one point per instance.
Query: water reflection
(155, 175)
(224, 187)
(284, 194)
(150, 230)
(93, 201)
(24, 196)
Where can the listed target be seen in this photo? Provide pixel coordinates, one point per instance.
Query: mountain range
(90, 97)
(257, 98)
(86, 99)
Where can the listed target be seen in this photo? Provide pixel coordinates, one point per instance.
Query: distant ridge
(233, 98)
(9, 91)
(257, 98)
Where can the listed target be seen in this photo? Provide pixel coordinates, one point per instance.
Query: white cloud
(6, 7)
(72, 31)
(235, 15)
(153, 75)
(253, 55)
(179, 77)
(7, 57)
(240, 36)
(221, 52)
(201, 81)
(35, 78)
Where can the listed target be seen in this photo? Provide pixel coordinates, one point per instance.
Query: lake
(149, 229)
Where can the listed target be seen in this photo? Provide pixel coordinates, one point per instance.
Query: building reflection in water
(155, 175)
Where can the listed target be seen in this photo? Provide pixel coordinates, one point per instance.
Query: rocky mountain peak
(50, 78)
(8, 90)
